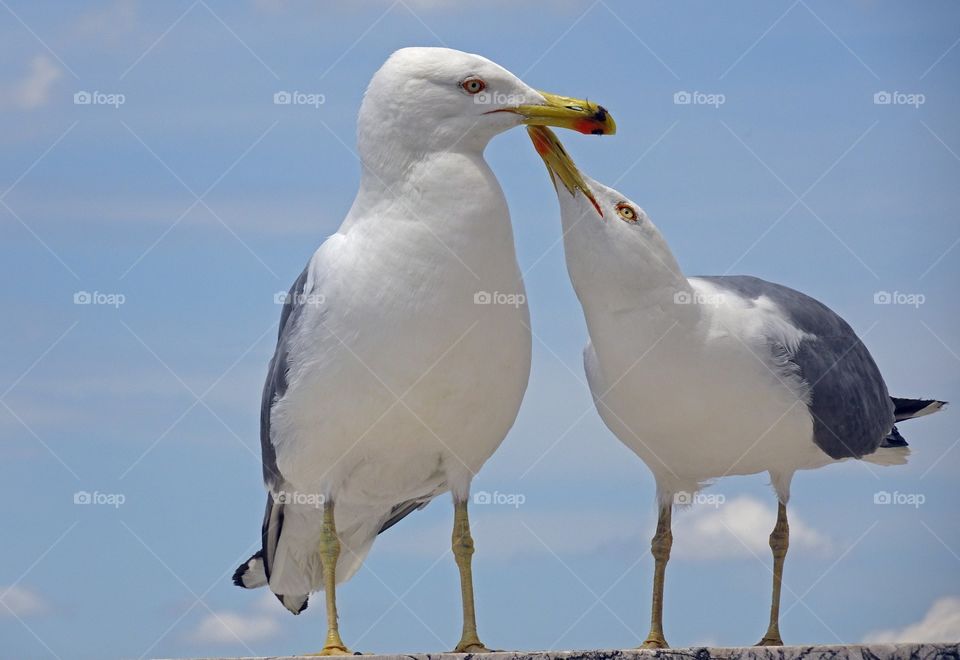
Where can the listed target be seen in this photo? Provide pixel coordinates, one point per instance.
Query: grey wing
(401, 511)
(274, 389)
(404, 509)
(276, 384)
(851, 409)
(255, 572)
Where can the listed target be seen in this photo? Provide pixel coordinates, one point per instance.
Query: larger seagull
(390, 384)
(705, 377)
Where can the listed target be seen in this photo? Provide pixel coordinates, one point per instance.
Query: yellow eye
(473, 85)
(627, 212)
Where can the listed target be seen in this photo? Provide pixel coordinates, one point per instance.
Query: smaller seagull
(705, 377)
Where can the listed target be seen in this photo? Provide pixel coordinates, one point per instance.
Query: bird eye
(473, 85)
(627, 212)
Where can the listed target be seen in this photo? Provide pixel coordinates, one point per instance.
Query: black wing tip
(303, 606)
(894, 439)
(243, 568)
(910, 408)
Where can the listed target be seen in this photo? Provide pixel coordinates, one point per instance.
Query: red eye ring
(473, 85)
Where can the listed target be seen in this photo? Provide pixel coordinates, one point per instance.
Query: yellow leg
(329, 553)
(462, 545)
(660, 548)
(779, 541)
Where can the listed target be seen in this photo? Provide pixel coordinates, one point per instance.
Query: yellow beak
(565, 112)
(559, 163)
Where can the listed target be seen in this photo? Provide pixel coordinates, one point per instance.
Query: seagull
(397, 371)
(705, 377)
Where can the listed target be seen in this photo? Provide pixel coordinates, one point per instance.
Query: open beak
(565, 112)
(559, 163)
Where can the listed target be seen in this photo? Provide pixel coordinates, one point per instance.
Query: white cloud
(225, 627)
(21, 601)
(941, 624)
(34, 90)
(737, 528)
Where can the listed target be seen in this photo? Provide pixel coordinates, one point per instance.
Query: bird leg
(779, 541)
(329, 554)
(660, 548)
(462, 545)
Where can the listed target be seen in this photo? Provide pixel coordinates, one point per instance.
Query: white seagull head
(610, 242)
(424, 100)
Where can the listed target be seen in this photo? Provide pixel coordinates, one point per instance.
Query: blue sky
(189, 205)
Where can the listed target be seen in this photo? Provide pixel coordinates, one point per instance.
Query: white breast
(707, 400)
(402, 381)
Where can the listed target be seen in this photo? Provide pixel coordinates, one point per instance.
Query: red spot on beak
(587, 126)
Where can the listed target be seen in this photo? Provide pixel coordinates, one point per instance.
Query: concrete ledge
(850, 652)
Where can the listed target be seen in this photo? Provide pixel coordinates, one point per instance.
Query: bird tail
(894, 450)
(256, 571)
(912, 408)
(289, 560)
(251, 574)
